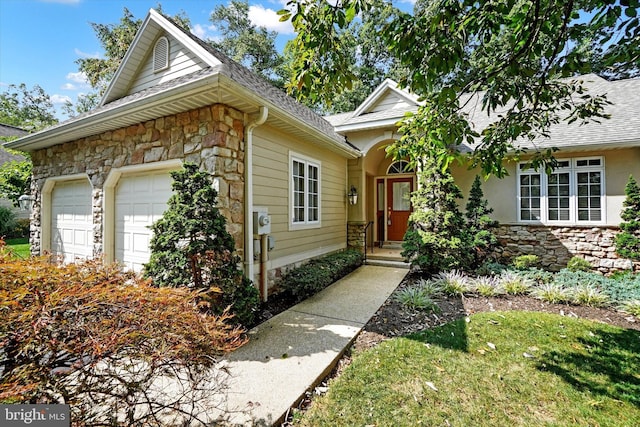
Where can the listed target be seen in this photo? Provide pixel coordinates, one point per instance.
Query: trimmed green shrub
(523, 262)
(7, 221)
(479, 224)
(490, 268)
(537, 275)
(578, 264)
(436, 239)
(628, 241)
(191, 247)
(317, 274)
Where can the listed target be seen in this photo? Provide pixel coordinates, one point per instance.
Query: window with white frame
(572, 193)
(305, 191)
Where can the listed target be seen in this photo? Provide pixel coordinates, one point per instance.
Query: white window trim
(573, 170)
(308, 161)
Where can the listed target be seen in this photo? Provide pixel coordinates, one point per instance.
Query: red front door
(398, 207)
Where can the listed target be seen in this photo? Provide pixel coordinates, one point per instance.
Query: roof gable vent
(161, 55)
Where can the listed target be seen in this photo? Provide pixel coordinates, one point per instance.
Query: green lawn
(496, 369)
(20, 247)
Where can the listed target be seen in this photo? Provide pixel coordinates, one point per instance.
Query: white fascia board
(385, 123)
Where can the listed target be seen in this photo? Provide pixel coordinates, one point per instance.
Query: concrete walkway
(293, 351)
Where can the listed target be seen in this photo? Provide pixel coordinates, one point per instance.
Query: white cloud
(68, 86)
(82, 54)
(60, 99)
(78, 77)
(203, 32)
(268, 18)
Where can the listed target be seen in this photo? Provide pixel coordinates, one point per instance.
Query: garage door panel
(140, 201)
(71, 220)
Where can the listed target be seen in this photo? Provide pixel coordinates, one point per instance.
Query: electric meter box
(261, 221)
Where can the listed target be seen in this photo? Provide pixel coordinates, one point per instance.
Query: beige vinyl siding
(181, 62)
(271, 176)
(390, 101)
(502, 193)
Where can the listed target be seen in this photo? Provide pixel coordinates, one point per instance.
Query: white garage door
(71, 220)
(140, 201)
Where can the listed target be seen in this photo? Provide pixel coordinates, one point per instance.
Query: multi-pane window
(305, 186)
(572, 193)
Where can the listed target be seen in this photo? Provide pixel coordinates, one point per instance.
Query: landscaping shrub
(90, 335)
(7, 221)
(417, 298)
(621, 288)
(578, 264)
(20, 229)
(537, 275)
(523, 262)
(487, 286)
(479, 224)
(632, 307)
(515, 283)
(552, 293)
(490, 268)
(436, 239)
(191, 247)
(628, 241)
(453, 283)
(317, 274)
(573, 279)
(590, 296)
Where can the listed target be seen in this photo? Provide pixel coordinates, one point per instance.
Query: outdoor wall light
(353, 195)
(24, 202)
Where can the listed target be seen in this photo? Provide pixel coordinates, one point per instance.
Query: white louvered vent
(161, 55)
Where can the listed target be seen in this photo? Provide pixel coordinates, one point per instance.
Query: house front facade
(102, 178)
(572, 211)
(283, 173)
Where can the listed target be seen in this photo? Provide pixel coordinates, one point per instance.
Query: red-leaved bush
(106, 342)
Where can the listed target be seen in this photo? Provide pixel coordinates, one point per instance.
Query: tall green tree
(115, 40)
(29, 109)
(509, 53)
(15, 179)
(246, 43)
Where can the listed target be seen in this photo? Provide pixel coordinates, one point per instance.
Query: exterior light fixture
(24, 202)
(353, 195)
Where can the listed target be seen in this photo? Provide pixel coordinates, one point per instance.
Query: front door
(398, 207)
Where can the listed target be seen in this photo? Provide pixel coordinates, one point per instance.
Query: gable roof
(385, 106)
(621, 130)
(9, 130)
(218, 80)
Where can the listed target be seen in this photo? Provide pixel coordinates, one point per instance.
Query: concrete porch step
(387, 263)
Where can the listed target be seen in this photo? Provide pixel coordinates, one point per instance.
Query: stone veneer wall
(211, 137)
(356, 235)
(557, 245)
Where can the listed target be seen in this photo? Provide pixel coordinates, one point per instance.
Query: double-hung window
(305, 191)
(572, 193)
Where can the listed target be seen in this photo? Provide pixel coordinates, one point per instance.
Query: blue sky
(40, 40)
